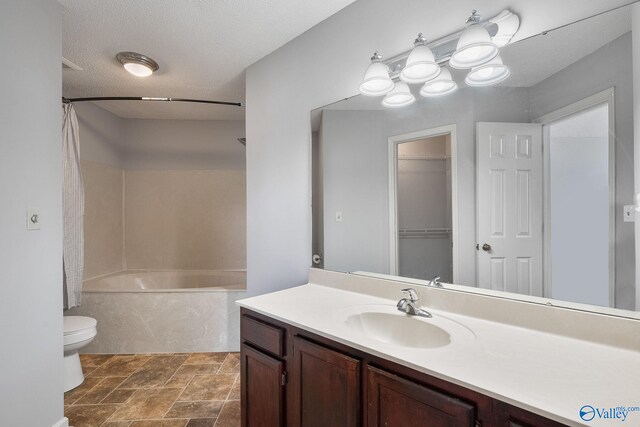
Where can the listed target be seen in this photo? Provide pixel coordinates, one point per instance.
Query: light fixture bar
(444, 47)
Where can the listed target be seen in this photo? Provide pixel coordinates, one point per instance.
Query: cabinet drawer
(263, 335)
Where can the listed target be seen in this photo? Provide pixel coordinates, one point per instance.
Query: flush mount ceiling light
(488, 74)
(475, 46)
(400, 96)
(421, 65)
(376, 80)
(137, 64)
(440, 86)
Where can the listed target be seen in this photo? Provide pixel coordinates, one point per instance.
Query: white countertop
(545, 373)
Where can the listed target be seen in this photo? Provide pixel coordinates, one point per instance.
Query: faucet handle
(435, 282)
(412, 294)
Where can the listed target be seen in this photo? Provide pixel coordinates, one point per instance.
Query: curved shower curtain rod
(144, 98)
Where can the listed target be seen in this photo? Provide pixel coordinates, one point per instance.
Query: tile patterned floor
(156, 390)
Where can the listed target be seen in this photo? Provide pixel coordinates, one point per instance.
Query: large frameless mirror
(525, 186)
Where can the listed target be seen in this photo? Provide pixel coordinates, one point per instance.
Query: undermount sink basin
(387, 325)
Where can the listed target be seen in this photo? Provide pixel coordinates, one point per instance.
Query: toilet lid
(73, 324)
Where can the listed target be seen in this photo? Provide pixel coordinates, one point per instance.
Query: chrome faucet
(408, 305)
(435, 282)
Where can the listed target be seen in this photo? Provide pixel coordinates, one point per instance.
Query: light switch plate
(629, 213)
(33, 219)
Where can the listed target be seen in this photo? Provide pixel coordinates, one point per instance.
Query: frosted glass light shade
(440, 86)
(138, 70)
(376, 80)
(400, 96)
(488, 74)
(474, 48)
(421, 65)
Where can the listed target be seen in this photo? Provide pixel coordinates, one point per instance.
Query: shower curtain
(73, 209)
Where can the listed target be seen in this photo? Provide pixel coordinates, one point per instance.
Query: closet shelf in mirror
(424, 233)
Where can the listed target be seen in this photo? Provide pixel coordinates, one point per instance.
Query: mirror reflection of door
(546, 204)
(424, 226)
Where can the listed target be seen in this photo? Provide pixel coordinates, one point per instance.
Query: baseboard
(64, 422)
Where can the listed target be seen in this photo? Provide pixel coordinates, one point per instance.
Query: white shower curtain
(73, 209)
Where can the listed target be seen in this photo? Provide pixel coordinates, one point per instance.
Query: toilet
(78, 332)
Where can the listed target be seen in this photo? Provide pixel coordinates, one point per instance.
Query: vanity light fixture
(421, 65)
(137, 64)
(440, 86)
(475, 46)
(400, 96)
(488, 74)
(376, 80)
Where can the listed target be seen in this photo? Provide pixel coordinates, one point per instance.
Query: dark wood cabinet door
(396, 402)
(326, 387)
(506, 415)
(262, 389)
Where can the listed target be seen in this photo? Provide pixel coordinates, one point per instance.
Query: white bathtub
(157, 311)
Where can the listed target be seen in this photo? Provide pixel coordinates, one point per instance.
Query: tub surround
(546, 360)
(164, 311)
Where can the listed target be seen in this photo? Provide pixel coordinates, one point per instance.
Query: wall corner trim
(64, 422)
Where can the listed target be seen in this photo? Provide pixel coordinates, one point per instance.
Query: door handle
(486, 247)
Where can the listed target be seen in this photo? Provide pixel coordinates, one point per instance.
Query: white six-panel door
(509, 200)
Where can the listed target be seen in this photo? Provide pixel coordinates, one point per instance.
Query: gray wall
(101, 135)
(321, 66)
(31, 365)
(611, 64)
(355, 151)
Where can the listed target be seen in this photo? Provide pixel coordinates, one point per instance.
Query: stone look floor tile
(235, 390)
(203, 358)
(208, 387)
(73, 395)
(147, 404)
(89, 415)
(100, 391)
(202, 409)
(210, 368)
(201, 422)
(160, 423)
(94, 360)
(120, 366)
(178, 381)
(155, 373)
(119, 395)
(231, 364)
(171, 390)
(230, 415)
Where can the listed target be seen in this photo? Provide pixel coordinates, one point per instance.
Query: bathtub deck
(159, 390)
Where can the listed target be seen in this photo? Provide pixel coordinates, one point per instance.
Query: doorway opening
(422, 189)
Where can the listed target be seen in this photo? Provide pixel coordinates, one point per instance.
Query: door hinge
(283, 379)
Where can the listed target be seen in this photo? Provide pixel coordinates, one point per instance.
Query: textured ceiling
(203, 48)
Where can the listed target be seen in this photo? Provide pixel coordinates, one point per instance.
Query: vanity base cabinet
(326, 387)
(262, 389)
(509, 416)
(294, 378)
(394, 401)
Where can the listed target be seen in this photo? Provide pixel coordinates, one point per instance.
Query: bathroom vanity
(339, 354)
